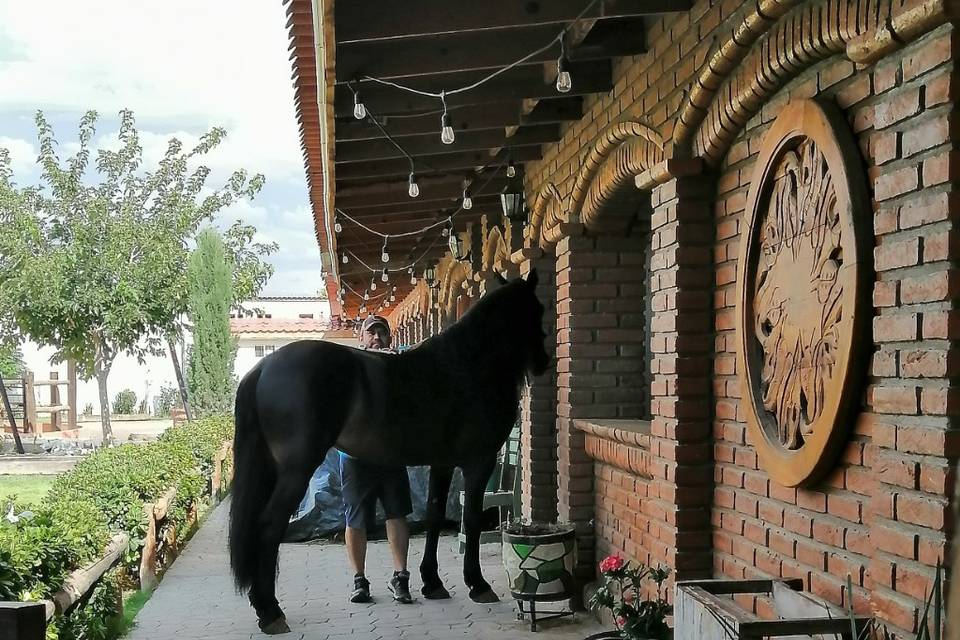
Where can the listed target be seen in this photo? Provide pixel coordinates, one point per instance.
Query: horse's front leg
(475, 477)
(433, 588)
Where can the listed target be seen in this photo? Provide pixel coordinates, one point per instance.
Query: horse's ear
(533, 279)
(500, 279)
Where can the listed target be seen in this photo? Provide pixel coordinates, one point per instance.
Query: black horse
(450, 402)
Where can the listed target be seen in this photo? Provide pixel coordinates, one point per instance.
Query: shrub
(165, 400)
(88, 409)
(105, 493)
(124, 402)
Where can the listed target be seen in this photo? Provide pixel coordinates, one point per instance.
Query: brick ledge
(624, 444)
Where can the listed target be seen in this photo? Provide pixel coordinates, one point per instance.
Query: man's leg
(395, 495)
(358, 499)
(357, 549)
(398, 534)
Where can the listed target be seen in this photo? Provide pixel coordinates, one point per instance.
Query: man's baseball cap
(370, 321)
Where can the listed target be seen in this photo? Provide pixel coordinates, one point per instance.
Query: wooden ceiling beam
(493, 115)
(426, 17)
(465, 162)
(475, 50)
(430, 144)
(591, 76)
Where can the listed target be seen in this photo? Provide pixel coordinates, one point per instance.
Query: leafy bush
(88, 409)
(165, 400)
(124, 402)
(105, 493)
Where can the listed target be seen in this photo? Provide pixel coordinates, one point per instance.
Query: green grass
(122, 625)
(28, 488)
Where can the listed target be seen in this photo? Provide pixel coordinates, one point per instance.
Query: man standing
(363, 484)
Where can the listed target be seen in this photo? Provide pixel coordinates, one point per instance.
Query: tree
(96, 267)
(210, 296)
(11, 361)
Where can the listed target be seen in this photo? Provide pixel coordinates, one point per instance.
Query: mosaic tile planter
(539, 560)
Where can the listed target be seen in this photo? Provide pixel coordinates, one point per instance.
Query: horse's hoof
(275, 627)
(484, 597)
(435, 593)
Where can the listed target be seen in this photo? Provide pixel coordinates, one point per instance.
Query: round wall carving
(802, 318)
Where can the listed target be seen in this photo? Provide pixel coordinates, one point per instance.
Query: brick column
(681, 461)
(600, 359)
(538, 439)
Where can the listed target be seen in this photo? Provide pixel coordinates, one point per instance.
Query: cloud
(23, 157)
(208, 63)
(183, 67)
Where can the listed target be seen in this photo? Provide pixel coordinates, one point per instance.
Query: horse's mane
(490, 334)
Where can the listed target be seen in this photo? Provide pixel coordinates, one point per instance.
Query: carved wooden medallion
(801, 284)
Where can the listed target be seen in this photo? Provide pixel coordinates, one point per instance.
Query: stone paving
(196, 598)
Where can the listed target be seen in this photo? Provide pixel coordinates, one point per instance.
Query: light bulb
(384, 257)
(414, 189)
(467, 200)
(446, 131)
(337, 226)
(413, 280)
(386, 304)
(393, 298)
(366, 296)
(345, 259)
(384, 277)
(373, 285)
(511, 170)
(446, 231)
(564, 82)
(359, 111)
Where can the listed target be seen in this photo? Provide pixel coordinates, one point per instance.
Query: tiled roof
(278, 325)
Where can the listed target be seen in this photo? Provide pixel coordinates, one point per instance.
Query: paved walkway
(196, 598)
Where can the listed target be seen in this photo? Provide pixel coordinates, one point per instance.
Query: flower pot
(539, 560)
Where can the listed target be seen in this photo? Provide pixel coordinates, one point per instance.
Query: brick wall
(883, 514)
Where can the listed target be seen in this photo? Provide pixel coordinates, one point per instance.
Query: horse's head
(528, 313)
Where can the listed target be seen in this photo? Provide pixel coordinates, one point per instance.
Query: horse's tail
(253, 482)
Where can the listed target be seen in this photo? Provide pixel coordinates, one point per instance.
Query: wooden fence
(162, 544)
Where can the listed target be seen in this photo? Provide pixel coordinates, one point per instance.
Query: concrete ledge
(30, 464)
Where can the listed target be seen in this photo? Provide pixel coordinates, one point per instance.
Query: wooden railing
(28, 620)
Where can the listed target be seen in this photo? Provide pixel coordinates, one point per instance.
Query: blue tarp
(321, 511)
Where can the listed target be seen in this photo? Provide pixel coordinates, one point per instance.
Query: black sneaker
(361, 589)
(399, 586)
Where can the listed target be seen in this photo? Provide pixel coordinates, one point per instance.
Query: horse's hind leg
(475, 478)
(433, 588)
(291, 483)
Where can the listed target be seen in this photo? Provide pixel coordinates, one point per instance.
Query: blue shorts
(364, 483)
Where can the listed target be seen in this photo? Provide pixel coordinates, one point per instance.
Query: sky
(182, 67)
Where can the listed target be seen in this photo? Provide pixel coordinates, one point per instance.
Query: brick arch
(802, 37)
(495, 250)
(546, 217)
(454, 275)
(604, 187)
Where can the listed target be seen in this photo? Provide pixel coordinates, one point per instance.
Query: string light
(564, 81)
(384, 276)
(467, 200)
(373, 285)
(414, 190)
(511, 170)
(366, 295)
(384, 256)
(359, 111)
(337, 226)
(345, 259)
(446, 127)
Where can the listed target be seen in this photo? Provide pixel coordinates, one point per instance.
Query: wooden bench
(704, 610)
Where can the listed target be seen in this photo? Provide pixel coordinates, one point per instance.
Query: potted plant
(621, 595)
(539, 560)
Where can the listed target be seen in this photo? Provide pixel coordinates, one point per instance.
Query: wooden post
(29, 404)
(23, 621)
(54, 401)
(72, 394)
(8, 409)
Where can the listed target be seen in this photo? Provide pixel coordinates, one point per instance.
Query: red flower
(612, 563)
(621, 621)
